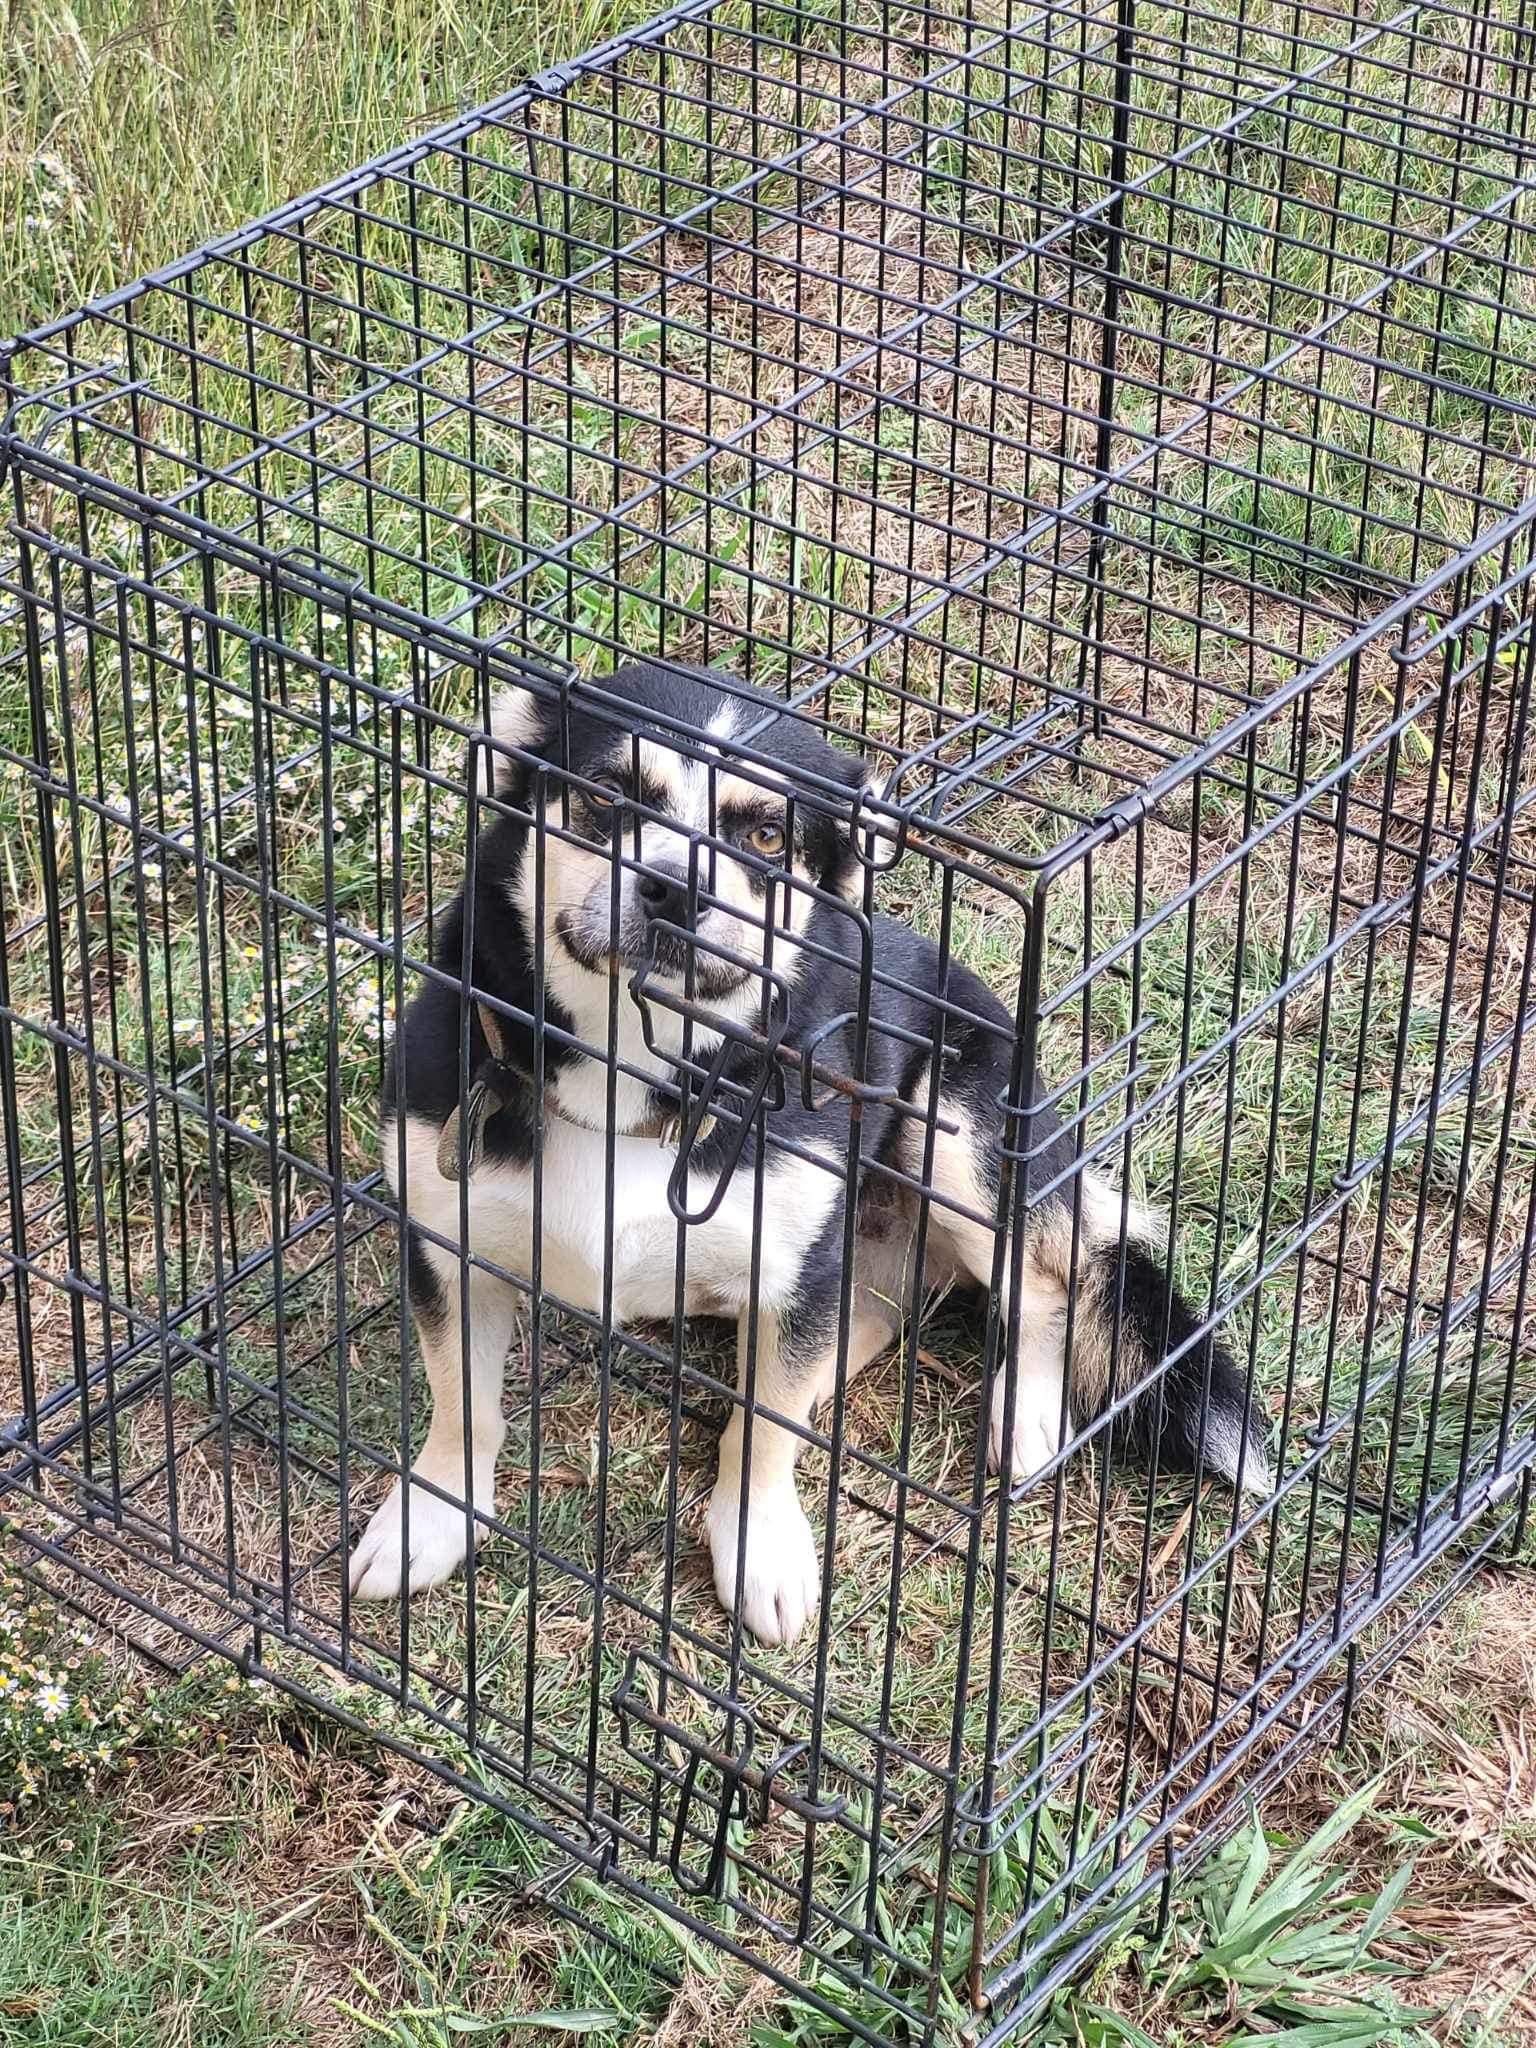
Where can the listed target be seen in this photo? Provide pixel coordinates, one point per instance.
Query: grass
(128, 135)
(257, 1875)
(84, 1957)
(1248, 548)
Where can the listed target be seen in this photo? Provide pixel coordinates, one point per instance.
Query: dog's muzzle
(653, 931)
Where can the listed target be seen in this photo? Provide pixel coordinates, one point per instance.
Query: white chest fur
(581, 1087)
(606, 1231)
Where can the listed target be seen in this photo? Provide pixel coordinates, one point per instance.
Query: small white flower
(51, 1700)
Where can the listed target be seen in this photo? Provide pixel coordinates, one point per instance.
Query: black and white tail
(1129, 1317)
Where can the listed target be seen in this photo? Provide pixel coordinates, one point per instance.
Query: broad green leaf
(1254, 1870)
(1406, 1824)
(1345, 2030)
(1385, 1906)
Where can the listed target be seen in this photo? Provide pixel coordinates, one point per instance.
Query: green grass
(130, 134)
(127, 136)
(253, 1876)
(86, 1958)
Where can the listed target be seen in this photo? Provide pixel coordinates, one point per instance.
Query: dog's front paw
(380, 1567)
(1036, 1434)
(781, 1584)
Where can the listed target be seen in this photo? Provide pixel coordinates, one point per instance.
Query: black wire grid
(1119, 423)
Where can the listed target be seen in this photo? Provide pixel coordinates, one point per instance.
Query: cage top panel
(1007, 387)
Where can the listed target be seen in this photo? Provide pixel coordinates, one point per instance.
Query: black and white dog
(640, 854)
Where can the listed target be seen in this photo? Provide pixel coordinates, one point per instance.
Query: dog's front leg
(391, 1557)
(766, 1557)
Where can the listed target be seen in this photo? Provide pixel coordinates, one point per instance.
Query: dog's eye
(766, 839)
(602, 798)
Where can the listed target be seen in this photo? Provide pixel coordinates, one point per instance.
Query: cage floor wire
(1115, 424)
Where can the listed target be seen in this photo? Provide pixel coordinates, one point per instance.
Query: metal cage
(1117, 424)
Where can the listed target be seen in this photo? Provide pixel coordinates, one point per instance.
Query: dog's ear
(517, 720)
(842, 870)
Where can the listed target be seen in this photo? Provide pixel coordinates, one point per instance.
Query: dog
(647, 906)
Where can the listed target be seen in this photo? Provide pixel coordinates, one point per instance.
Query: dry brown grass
(292, 1822)
(721, 2009)
(1467, 1764)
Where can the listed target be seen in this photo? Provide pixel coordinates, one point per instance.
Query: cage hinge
(1124, 814)
(716, 1782)
(557, 79)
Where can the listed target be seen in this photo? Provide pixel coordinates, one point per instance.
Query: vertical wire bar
(48, 740)
(18, 1236)
(263, 802)
(1002, 1337)
(469, 988)
(334, 1131)
(78, 866)
(214, 1320)
(164, 1295)
(605, 1336)
(1525, 656)
(538, 833)
(401, 1054)
(1395, 1109)
(1411, 1281)
(1122, 85)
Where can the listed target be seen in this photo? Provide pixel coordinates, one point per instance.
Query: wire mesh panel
(1092, 450)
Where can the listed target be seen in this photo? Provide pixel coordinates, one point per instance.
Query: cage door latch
(717, 1781)
(712, 1099)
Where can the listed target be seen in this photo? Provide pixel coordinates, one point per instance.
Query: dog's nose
(663, 892)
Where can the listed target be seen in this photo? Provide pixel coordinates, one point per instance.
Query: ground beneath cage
(366, 1887)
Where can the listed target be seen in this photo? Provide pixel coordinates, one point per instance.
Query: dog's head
(663, 848)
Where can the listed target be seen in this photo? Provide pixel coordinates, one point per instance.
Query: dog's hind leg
(1092, 1274)
(774, 1572)
(1028, 1407)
